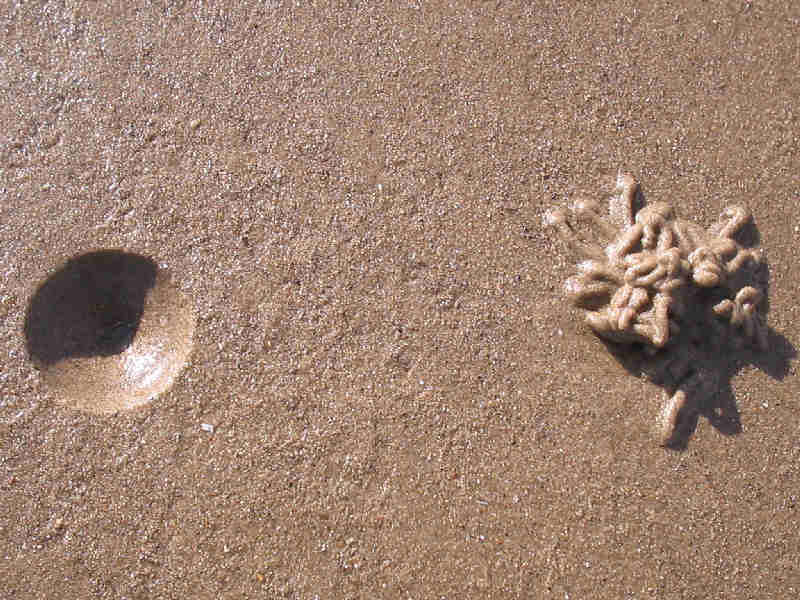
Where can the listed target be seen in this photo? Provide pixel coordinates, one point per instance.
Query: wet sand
(388, 395)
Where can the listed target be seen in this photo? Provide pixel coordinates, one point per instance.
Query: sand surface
(387, 394)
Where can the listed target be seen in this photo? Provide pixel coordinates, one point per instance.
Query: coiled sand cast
(651, 279)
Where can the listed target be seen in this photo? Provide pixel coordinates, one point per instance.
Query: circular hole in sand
(109, 331)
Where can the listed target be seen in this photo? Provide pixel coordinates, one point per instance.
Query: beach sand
(388, 395)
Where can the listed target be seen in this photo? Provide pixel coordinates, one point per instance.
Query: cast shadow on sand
(714, 399)
(713, 365)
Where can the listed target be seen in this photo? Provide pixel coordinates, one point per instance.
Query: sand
(387, 394)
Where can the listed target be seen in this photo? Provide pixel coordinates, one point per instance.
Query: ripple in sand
(109, 331)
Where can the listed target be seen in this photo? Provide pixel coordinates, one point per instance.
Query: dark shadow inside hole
(748, 236)
(91, 306)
